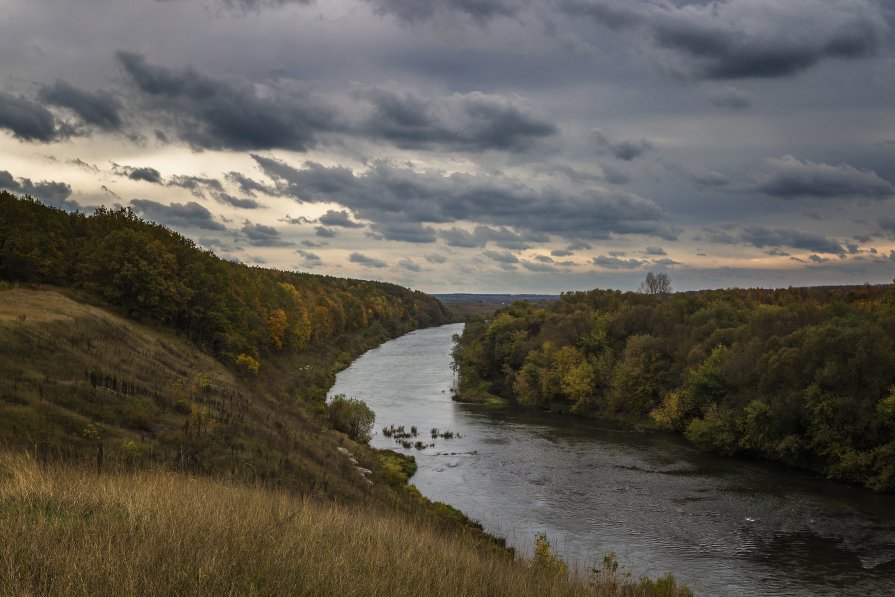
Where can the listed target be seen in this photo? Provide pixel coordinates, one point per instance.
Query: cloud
(462, 121)
(417, 11)
(501, 256)
(260, 235)
(409, 232)
(616, 263)
(790, 178)
(313, 244)
(659, 251)
(761, 237)
(214, 113)
(250, 6)
(237, 202)
(54, 194)
(28, 121)
(310, 260)
(436, 258)
(325, 232)
(365, 261)
(410, 265)
(197, 185)
(340, 219)
(101, 109)
(139, 173)
(248, 185)
(480, 236)
(666, 262)
(615, 176)
(626, 149)
(561, 253)
(729, 97)
(734, 39)
(384, 194)
(188, 215)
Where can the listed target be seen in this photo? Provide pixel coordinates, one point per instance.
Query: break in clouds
(472, 144)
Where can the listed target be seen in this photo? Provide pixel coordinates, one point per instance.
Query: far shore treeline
(238, 312)
(804, 376)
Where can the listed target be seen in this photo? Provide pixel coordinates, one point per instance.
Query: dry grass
(67, 532)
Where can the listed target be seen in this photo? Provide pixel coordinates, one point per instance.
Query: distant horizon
(534, 147)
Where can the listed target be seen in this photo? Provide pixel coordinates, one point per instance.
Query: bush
(352, 417)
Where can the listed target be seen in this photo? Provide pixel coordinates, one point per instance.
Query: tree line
(150, 272)
(805, 376)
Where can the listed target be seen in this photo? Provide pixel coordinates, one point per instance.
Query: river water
(722, 526)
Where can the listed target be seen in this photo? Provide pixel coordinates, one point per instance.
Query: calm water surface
(725, 527)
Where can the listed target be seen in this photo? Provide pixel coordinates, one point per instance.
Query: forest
(803, 376)
(151, 273)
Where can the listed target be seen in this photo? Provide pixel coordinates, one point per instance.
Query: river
(722, 526)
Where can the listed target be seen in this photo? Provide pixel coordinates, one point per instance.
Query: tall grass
(66, 531)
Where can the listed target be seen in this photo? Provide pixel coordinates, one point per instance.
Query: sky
(472, 145)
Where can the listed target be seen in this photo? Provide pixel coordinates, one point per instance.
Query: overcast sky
(472, 145)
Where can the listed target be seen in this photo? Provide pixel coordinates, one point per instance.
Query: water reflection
(725, 527)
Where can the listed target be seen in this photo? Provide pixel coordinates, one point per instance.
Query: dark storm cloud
(54, 194)
(408, 232)
(501, 256)
(626, 149)
(480, 236)
(260, 235)
(197, 185)
(462, 121)
(365, 261)
(729, 97)
(221, 114)
(28, 121)
(139, 173)
(247, 6)
(789, 178)
(543, 268)
(100, 108)
(731, 39)
(416, 11)
(617, 263)
(384, 193)
(190, 215)
(248, 185)
(761, 237)
(340, 219)
(238, 202)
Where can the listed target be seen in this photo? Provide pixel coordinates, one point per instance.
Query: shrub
(248, 364)
(352, 417)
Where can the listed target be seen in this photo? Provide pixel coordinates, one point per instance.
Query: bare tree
(656, 284)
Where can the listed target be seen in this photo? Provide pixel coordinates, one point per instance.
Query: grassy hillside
(65, 531)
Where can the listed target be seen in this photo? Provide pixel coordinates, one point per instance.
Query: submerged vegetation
(805, 376)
